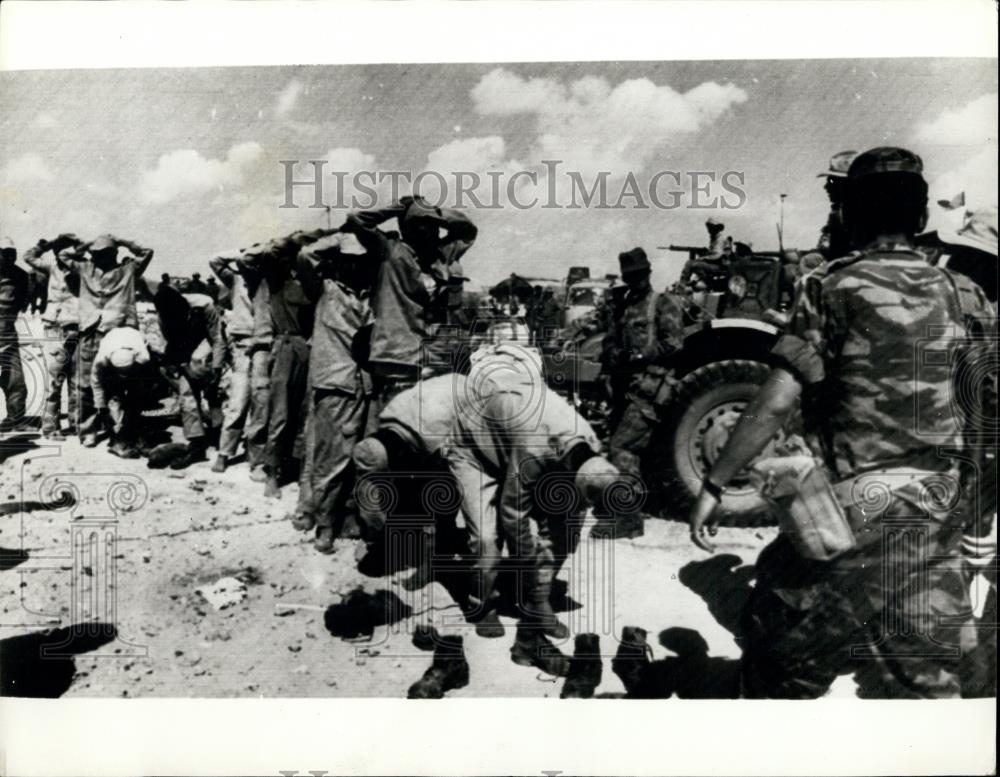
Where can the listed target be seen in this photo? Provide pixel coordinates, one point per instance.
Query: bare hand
(701, 522)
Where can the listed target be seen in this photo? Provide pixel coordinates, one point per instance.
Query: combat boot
(531, 648)
(632, 658)
(449, 670)
(585, 668)
(542, 613)
(195, 452)
(487, 622)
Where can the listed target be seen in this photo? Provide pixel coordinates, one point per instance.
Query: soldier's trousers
(61, 364)
(199, 404)
(12, 384)
(245, 413)
(538, 542)
(632, 435)
(894, 607)
(288, 401)
(336, 422)
(479, 492)
(90, 341)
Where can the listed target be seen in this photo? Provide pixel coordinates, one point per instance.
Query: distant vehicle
(583, 297)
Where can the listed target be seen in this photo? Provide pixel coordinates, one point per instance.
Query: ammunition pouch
(807, 507)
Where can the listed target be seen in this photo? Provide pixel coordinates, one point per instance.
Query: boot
(324, 539)
(620, 527)
(89, 440)
(449, 670)
(585, 668)
(531, 648)
(487, 621)
(220, 464)
(50, 422)
(257, 474)
(542, 613)
(632, 658)
(195, 452)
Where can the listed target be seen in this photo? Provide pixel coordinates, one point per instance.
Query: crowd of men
(335, 376)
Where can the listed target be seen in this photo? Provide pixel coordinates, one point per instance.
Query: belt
(890, 480)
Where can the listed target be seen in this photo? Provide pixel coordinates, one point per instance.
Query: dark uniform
(872, 339)
(647, 331)
(339, 391)
(291, 313)
(412, 289)
(193, 360)
(13, 299)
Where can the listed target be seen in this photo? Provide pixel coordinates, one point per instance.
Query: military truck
(731, 322)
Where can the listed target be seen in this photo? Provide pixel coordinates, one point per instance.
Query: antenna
(781, 223)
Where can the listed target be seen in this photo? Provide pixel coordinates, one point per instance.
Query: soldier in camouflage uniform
(834, 241)
(869, 350)
(647, 331)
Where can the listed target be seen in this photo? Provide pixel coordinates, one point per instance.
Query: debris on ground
(224, 592)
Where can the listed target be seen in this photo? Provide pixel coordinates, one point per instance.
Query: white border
(50, 34)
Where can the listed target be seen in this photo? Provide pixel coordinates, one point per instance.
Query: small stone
(295, 648)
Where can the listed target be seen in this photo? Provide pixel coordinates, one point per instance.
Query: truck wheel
(706, 405)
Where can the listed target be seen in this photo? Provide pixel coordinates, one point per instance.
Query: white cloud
(963, 144)
(473, 154)
(288, 97)
(30, 168)
(185, 172)
(593, 126)
(45, 121)
(974, 124)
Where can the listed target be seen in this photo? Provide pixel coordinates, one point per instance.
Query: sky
(187, 161)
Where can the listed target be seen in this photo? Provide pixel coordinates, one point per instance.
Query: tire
(706, 404)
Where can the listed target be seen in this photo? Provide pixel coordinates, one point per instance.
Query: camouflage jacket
(647, 329)
(873, 338)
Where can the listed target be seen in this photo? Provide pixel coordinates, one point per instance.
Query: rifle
(693, 252)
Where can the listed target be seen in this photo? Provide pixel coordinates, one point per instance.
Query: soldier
(291, 315)
(121, 376)
(834, 241)
(61, 322)
(513, 449)
(245, 412)
(646, 334)
(413, 286)
(192, 362)
(331, 271)
(876, 415)
(13, 299)
(720, 245)
(107, 301)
